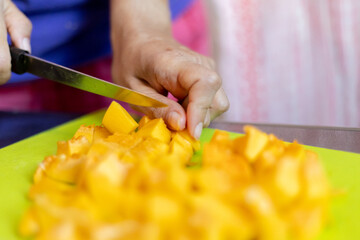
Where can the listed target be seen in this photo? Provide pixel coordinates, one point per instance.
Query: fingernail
(198, 130)
(176, 122)
(207, 119)
(25, 44)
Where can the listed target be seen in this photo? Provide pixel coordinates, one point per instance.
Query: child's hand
(14, 22)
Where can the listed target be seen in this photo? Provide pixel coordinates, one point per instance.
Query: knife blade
(22, 61)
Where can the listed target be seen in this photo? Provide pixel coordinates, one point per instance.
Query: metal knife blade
(23, 62)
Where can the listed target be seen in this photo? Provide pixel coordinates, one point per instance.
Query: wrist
(138, 20)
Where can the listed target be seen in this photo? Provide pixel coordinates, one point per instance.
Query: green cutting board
(19, 161)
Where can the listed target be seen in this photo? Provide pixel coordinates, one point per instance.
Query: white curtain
(289, 61)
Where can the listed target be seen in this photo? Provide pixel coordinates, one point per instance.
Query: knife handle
(19, 62)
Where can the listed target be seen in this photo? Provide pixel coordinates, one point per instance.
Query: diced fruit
(316, 186)
(75, 146)
(156, 129)
(86, 131)
(181, 148)
(194, 143)
(255, 142)
(117, 119)
(100, 132)
(144, 120)
(110, 182)
(29, 225)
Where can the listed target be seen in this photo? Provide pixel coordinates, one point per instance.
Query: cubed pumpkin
(117, 119)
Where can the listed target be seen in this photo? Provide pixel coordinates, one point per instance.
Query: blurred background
(281, 61)
(288, 61)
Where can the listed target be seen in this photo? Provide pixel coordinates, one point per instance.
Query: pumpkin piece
(74, 146)
(144, 120)
(62, 230)
(260, 206)
(194, 143)
(111, 231)
(100, 132)
(178, 179)
(102, 147)
(164, 210)
(86, 131)
(222, 138)
(117, 119)
(125, 141)
(45, 164)
(29, 225)
(105, 176)
(147, 150)
(62, 168)
(316, 186)
(181, 148)
(307, 221)
(269, 156)
(157, 129)
(255, 142)
(212, 181)
(284, 182)
(287, 180)
(220, 220)
(50, 187)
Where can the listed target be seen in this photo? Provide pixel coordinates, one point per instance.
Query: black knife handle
(19, 62)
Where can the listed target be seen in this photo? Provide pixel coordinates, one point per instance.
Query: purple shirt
(72, 32)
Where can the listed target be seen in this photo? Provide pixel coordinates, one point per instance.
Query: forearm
(146, 58)
(131, 19)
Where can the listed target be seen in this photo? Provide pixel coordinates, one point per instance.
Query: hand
(14, 22)
(158, 65)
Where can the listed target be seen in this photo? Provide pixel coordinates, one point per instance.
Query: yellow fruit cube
(255, 142)
(157, 129)
(316, 186)
(100, 132)
(86, 131)
(181, 148)
(164, 210)
(74, 146)
(61, 168)
(144, 120)
(260, 206)
(29, 225)
(194, 143)
(117, 119)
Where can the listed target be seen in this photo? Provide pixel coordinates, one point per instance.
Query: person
(145, 56)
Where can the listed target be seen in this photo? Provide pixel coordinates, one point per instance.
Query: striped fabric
(289, 61)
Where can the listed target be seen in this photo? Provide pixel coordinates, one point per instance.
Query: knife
(22, 61)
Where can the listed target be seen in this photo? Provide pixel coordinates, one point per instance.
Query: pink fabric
(289, 61)
(191, 29)
(42, 95)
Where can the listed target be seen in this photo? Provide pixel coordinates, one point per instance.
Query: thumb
(18, 26)
(173, 115)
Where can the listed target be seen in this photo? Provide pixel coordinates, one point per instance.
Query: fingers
(5, 62)
(193, 82)
(18, 26)
(14, 22)
(173, 115)
(202, 85)
(219, 105)
(164, 66)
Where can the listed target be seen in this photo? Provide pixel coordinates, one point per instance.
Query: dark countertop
(15, 126)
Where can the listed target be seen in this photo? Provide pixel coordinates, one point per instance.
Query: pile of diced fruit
(125, 180)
